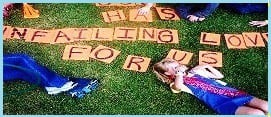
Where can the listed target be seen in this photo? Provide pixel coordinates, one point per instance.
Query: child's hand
(258, 23)
(178, 82)
(144, 10)
(180, 71)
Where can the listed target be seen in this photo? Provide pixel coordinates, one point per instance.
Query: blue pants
(199, 10)
(246, 8)
(204, 10)
(23, 67)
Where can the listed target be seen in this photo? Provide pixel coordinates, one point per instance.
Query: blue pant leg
(23, 67)
(207, 10)
(246, 8)
(183, 10)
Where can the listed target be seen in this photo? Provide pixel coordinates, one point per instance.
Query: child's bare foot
(193, 18)
(201, 19)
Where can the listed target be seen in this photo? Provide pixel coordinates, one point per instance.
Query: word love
(87, 34)
(118, 15)
(136, 63)
(236, 41)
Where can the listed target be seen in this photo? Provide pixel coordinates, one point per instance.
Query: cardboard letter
(126, 4)
(103, 4)
(104, 54)
(167, 13)
(80, 34)
(40, 36)
(212, 58)
(265, 36)
(136, 63)
(147, 34)
(125, 33)
(235, 41)
(167, 36)
(102, 34)
(19, 33)
(210, 38)
(253, 39)
(76, 52)
(182, 57)
(134, 16)
(62, 36)
(111, 16)
(6, 32)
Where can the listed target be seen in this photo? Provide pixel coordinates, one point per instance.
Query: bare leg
(245, 110)
(259, 103)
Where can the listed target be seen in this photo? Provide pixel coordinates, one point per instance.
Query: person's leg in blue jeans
(183, 10)
(23, 67)
(246, 8)
(196, 12)
(207, 10)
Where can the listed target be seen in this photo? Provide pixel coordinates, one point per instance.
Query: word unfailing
(86, 34)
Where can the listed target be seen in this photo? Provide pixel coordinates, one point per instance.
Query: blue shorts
(229, 107)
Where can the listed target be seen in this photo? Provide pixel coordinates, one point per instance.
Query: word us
(118, 15)
(87, 34)
(136, 63)
(236, 41)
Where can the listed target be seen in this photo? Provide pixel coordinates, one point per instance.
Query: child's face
(174, 67)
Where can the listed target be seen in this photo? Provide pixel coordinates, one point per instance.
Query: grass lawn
(122, 91)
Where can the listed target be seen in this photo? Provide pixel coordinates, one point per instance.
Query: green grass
(122, 91)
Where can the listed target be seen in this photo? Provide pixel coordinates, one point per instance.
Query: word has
(118, 15)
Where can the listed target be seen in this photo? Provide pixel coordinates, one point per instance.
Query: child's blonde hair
(159, 69)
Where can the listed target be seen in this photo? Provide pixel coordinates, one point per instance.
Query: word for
(118, 15)
(236, 41)
(136, 63)
(86, 34)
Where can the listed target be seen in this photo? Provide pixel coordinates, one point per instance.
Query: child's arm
(221, 82)
(208, 71)
(176, 85)
(145, 10)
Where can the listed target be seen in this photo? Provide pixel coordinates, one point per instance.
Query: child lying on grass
(23, 67)
(202, 83)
